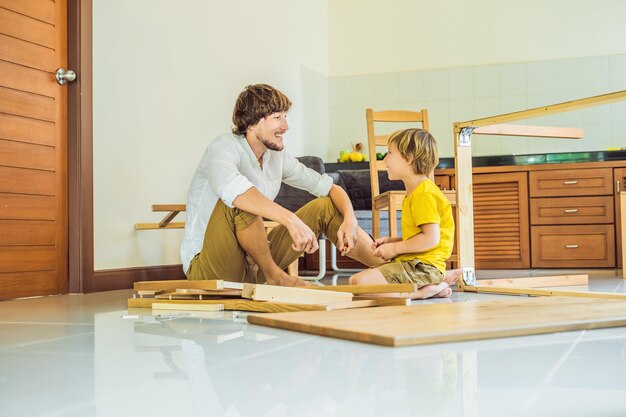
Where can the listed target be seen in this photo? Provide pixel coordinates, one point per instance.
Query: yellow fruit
(345, 157)
(356, 156)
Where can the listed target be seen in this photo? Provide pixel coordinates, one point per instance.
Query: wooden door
(33, 143)
(501, 226)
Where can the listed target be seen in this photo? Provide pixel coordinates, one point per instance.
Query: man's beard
(272, 145)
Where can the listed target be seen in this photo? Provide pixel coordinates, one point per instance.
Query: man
(234, 187)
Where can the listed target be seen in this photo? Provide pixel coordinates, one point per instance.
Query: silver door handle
(570, 182)
(64, 76)
(571, 246)
(570, 211)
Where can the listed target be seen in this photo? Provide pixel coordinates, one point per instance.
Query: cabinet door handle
(617, 186)
(570, 182)
(571, 246)
(570, 211)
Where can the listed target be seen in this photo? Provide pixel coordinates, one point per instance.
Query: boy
(427, 226)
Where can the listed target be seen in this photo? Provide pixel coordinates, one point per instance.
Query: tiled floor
(86, 355)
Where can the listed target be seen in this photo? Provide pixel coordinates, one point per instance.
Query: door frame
(82, 276)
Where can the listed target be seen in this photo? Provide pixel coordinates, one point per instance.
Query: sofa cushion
(358, 187)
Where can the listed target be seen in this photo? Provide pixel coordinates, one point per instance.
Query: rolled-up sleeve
(299, 176)
(225, 179)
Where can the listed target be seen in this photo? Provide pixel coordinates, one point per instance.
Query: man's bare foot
(452, 276)
(429, 291)
(287, 281)
(444, 293)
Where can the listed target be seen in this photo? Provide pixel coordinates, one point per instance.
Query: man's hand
(386, 250)
(347, 235)
(304, 240)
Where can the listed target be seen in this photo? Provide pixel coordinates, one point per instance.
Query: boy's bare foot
(432, 290)
(452, 276)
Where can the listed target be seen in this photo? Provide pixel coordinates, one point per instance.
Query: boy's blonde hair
(418, 146)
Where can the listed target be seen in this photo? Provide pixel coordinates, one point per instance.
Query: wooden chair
(392, 200)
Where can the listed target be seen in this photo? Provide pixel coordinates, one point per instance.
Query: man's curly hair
(256, 102)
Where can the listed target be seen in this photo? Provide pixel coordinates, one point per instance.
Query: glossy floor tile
(87, 355)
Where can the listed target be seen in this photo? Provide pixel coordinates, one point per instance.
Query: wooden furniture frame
(497, 125)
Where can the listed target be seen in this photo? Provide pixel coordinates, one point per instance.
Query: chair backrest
(373, 140)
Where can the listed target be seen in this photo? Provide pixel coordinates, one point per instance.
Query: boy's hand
(385, 251)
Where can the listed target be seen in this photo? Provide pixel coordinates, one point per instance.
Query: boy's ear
(409, 158)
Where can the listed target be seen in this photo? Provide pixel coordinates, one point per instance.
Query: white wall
(373, 36)
(166, 76)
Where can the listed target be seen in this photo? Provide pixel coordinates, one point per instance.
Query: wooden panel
(27, 79)
(27, 233)
(39, 9)
(27, 259)
(573, 246)
(443, 182)
(27, 181)
(27, 155)
(620, 185)
(501, 221)
(26, 28)
(28, 284)
(532, 131)
(571, 182)
(572, 210)
(26, 53)
(26, 104)
(400, 116)
(454, 322)
(27, 207)
(22, 129)
(233, 304)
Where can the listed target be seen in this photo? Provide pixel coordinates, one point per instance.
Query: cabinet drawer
(573, 246)
(571, 182)
(571, 210)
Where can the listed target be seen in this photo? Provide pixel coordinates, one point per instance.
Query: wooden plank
(27, 207)
(22, 78)
(545, 293)
(39, 9)
(532, 131)
(27, 54)
(544, 110)
(153, 226)
(206, 284)
(195, 294)
(465, 195)
(26, 28)
(622, 199)
(401, 116)
(536, 282)
(27, 155)
(27, 130)
(454, 322)
(26, 104)
(27, 233)
(27, 181)
(367, 289)
(387, 301)
(27, 258)
(169, 207)
(187, 307)
(298, 295)
(342, 305)
(236, 304)
(168, 218)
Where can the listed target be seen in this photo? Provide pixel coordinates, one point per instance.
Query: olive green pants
(222, 257)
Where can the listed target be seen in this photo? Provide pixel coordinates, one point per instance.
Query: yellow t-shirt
(427, 204)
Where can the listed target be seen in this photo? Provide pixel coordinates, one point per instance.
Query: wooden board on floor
(298, 295)
(536, 282)
(367, 289)
(234, 304)
(207, 284)
(187, 307)
(454, 322)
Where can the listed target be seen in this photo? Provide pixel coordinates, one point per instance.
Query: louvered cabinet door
(501, 227)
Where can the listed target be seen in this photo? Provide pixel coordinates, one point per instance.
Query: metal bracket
(465, 136)
(469, 277)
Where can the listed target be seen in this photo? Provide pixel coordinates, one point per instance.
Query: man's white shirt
(228, 169)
